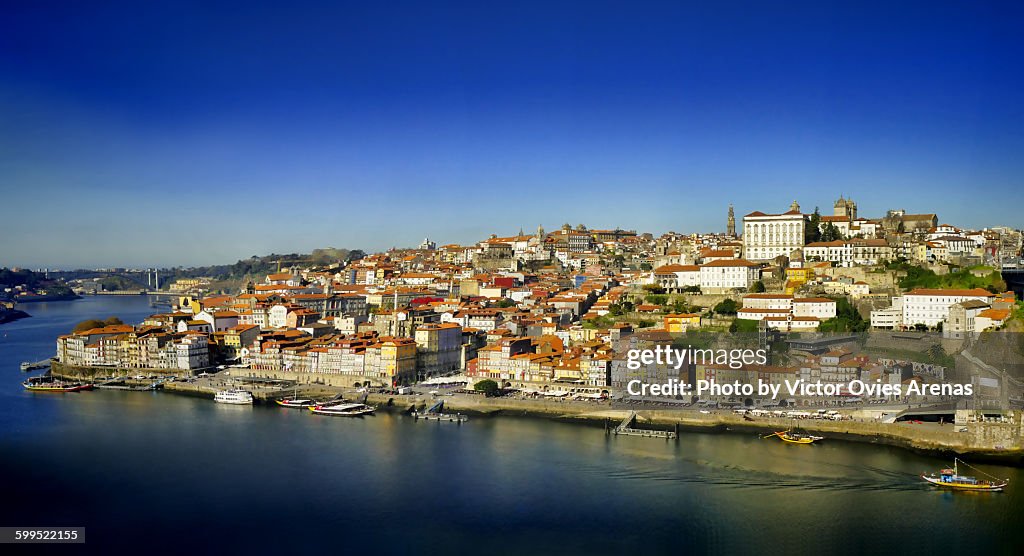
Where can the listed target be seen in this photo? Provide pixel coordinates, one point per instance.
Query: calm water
(159, 471)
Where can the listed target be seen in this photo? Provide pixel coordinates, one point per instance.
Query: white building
(766, 236)
(930, 307)
(728, 275)
(818, 307)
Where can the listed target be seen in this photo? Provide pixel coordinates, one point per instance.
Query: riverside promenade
(1002, 442)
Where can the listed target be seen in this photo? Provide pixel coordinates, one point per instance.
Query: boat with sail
(952, 479)
(343, 409)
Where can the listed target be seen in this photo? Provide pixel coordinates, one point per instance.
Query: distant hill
(256, 266)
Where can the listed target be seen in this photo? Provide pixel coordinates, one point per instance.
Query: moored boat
(343, 410)
(295, 402)
(796, 437)
(235, 397)
(952, 479)
(47, 384)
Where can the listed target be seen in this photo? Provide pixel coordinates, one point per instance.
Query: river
(153, 470)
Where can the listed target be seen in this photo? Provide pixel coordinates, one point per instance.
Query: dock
(33, 365)
(434, 414)
(627, 428)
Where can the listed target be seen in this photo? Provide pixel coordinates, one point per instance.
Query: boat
(951, 478)
(235, 397)
(796, 437)
(48, 384)
(343, 410)
(295, 402)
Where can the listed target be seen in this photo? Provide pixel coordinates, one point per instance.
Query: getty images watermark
(735, 359)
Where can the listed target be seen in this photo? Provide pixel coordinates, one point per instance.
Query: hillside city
(554, 312)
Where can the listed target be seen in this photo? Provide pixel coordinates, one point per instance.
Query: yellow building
(681, 322)
(189, 304)
(393, 359)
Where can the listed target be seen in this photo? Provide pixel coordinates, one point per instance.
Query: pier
(627, 427)
(33, 365)
(434, 414)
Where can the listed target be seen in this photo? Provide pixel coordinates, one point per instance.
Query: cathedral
(846, 208)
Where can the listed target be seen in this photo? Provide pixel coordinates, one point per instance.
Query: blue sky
(205, 132)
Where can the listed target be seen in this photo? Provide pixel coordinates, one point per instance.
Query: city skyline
(201, 136)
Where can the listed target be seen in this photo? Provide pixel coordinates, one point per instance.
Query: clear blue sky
(202, 132)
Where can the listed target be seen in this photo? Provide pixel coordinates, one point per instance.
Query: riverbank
(11, 315)
(995, 442)
(998, 442)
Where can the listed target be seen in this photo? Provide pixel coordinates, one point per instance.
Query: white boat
(236, 397)
(343, 410)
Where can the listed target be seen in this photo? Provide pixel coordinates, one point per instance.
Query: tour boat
(236, 397)
(344, 410)
(293, 402)
(47, 384)
(951, 478)
(797, 437)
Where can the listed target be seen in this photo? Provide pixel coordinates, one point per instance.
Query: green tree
(830, 232)
(726, 307)
(757, 287)
(812, 232)
(487, 386)
(646, 267)
(656, 299)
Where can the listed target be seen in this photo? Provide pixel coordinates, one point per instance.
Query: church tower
(795, 207)
(540, 232)
(730, 227)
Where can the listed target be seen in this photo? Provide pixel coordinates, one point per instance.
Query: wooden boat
(796, 437)
(952, 479)
(295, 403)
(343, 410)
(47, 384)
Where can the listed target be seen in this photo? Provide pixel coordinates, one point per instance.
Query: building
(767, 236)
(438, 349)
(926, 307)
(725, 276)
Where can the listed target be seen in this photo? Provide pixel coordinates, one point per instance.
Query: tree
(505, 303)
(646, 267)
(830, 233)
(656, 299)
(355, 255)
(757, 287)
(726, 307)
(812, 232)
(111, 321)
(88, 325)
(487, 386)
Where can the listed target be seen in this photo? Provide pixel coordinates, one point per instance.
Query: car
(139, 377)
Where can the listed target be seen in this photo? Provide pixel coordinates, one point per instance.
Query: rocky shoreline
(11, 315)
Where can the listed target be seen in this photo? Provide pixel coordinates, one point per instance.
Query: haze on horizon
(203, 133)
